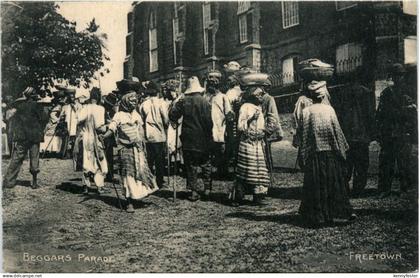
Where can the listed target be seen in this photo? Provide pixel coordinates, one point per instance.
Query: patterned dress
(323, 153)
(251, 170)
(137, 179)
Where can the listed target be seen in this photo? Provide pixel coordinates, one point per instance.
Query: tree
(41, 47)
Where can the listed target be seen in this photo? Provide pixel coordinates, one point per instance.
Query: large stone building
(168, 38)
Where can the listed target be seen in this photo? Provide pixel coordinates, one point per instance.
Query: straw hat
(193, 86)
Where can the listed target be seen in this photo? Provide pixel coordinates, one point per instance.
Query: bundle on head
(315, 69)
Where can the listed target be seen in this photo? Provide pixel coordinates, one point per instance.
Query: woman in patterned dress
(137, 179)
(252, 175)
(323, 152)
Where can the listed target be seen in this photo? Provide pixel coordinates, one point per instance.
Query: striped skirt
(137, 179)
(251, 169)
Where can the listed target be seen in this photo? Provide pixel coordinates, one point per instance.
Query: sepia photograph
(209, 137)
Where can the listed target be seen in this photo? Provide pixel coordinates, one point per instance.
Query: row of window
(290, 15)
(290, 18)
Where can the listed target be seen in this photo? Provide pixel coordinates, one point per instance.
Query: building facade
(178, 39)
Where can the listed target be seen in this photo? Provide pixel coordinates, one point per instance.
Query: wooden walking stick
(175, 166)
(49, 143)
(118, 195)
(168, 163)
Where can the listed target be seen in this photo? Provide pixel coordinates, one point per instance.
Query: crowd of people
(150, 128)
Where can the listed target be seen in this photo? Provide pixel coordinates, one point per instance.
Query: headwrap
(171, 85)
(128, 102)
(213, 78)
(253, 94)
(318, 89)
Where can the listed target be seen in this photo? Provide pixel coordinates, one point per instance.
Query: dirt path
(162, 236)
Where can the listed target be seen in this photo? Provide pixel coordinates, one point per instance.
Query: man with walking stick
(172, 93)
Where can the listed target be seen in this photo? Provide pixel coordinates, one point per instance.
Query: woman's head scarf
(129, 101)
(317, 89)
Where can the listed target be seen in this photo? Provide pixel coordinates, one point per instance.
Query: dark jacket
(357, 118)
(196, 123)
(29, 121)
(396, 115)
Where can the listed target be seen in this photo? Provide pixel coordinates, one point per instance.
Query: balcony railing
(348, 65)
(283, 79)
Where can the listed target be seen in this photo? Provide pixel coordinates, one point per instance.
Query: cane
(266, 153)
(270, 159)
(169, 164)
(49, 143)
(175, 166)
(118, 195)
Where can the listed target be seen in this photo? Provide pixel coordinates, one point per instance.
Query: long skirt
(325, 195)
(251, 170)
(137, 179)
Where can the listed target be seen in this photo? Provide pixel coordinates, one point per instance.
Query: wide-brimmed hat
(193, 86)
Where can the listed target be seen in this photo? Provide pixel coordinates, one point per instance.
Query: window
(125, 69)
(342, 5)
(177, 28)
(128, 39)
(410, 50)
(244, 20)
(153, 47)
(348, 57)
(130, 22)
(410, 7)
(206, 26)
(287, 71)
(290, 14)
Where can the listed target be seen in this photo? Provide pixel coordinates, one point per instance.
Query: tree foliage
(41, 47)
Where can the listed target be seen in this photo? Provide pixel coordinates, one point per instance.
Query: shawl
(321, 132)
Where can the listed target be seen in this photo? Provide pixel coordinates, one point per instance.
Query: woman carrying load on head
(137, 179)
(323, 153)
(252, 176)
